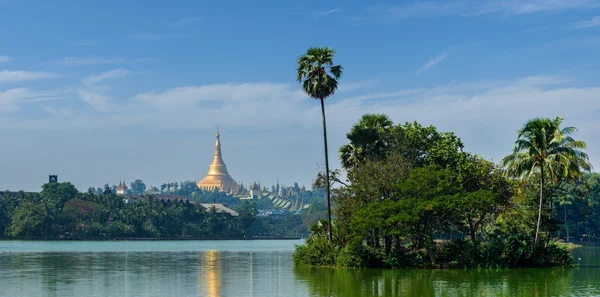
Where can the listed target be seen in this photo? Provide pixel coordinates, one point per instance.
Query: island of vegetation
(413, 198)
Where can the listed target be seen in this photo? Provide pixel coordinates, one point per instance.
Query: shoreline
(154, 239)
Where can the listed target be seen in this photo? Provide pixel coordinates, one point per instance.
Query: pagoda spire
(217, 176)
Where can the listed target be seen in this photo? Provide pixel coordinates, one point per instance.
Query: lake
(254, 268)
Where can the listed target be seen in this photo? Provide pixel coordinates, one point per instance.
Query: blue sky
(99, 91)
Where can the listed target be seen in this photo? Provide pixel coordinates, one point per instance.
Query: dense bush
(510, 252)
(318, 251)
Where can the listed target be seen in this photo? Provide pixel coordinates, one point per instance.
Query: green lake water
(254, 268)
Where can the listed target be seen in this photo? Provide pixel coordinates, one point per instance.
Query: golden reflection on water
(212, 275)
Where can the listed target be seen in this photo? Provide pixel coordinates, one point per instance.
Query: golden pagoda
(218, 177)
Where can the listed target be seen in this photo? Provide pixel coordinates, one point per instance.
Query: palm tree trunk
(566, 226)
(537, 230)
(326, 170)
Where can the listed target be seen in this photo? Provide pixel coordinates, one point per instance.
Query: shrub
(119, 229)
(192, 230)
(357, 256)
(318, 251)
(94, 229)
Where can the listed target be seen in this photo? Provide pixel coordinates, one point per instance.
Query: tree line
(60, 211)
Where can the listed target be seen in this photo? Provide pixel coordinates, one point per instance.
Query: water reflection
(212, 275)
(268, 273)
(518, 282)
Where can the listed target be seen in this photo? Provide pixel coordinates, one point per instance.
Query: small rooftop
(220, 208)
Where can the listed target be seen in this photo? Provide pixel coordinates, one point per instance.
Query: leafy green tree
(319, 84)
(56, 194)
(426, 145)
(79, 211)
(485, 192)
(543, 148)
(29, 219)
(247, 214)
(186, 188)
(8, 204)
(138, 186)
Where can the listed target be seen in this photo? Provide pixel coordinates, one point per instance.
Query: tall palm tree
(367, 140)
(319, 78)
(543, 147)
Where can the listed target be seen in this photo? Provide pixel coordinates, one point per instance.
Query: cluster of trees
(414, 198)
(59, 210)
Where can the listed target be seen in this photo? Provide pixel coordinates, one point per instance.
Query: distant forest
(61, 211)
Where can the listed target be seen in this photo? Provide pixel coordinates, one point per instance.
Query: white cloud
(533, 6)
(7, 76)
(320, 14)
(4, 59)
(153, 36)
(89, 61)
(220, 94)
(61, 111)
(11, 99)
(432, 62)
(97, 101)
(415, 9)
(485, 114)
(115, 73)
(594, 22)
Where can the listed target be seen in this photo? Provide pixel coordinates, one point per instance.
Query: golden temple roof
(218, 177)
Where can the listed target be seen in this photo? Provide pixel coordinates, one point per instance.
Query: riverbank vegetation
(415, 198)
(60, 211)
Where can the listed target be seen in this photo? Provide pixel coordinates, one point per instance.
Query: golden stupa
(218, 177)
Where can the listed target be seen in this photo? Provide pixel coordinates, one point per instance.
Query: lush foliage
(546, 149)
(414, 198)
(60, 211)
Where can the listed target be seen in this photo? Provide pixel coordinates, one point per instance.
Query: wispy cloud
(85, 43)
(92, 95)
(594, 22)
(115, 73)
(432, 62)
(460, 108)
(417, 9)
(185, 22)
(10, 100)
(533, 6)
(534, 29)
(7, 76)
(89, 61)
(152, 36)
(60, 111)
(320, 14)
(95, 100)
(218, 94)
(6, 59)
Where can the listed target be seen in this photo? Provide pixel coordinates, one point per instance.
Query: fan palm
(319, 78)
(543, 147)
(366, 140)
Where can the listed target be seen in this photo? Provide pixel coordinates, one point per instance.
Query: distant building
(122, 188)
(218, 178)
(174, 199)
(219, 208)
